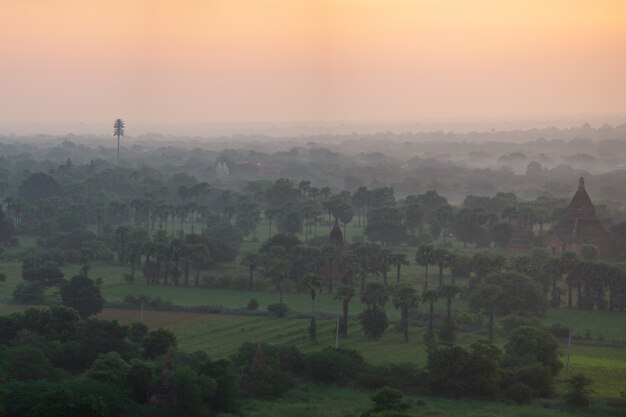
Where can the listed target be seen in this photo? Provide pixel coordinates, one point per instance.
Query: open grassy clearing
(221, 335)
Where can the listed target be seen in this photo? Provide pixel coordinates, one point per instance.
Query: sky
(232, 61)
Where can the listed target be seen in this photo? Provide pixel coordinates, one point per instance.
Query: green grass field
(603, 358)
(220, 336)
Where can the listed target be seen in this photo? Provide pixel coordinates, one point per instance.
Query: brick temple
(579, 226)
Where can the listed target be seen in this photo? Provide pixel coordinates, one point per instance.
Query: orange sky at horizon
(297, 60)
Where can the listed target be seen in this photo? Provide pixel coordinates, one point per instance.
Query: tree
(118, 130)
(158, 342)
(374, 321)
(425, 256)
(456, 372)
(430, 296)
(404, 298)
(375, 295)
(36, 187)
(441, 257)
(514, 293)
(345, 293)
(484, 299)
(449, 292)
(398, 260)
(110, 368)
(531, 357)
(47, 274)
(252, 261)
(531, 344)
(501, 233)
(82, 294)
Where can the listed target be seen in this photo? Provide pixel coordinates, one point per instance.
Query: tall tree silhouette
(118, 130)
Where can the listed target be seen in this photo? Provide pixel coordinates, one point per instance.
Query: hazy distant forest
(335, 275)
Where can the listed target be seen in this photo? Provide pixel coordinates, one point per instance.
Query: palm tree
(405, 297)
(425, 257)
(484, 299)
(280, 269)
(118, 130)
(314, 283)
(345, 293)
(430, 296)
(449, 292)
(441, 258)
(399, 259)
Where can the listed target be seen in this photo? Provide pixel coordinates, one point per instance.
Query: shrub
(403, 376)
(534, 375)
(519, 393)
(290, 359)
(253, 304)
(579, 391)
(278, 309)
(388, 399)
(334, 366)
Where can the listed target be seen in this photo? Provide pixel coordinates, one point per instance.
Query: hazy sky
(65, 61)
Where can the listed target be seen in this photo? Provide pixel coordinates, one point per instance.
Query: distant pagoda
(336, 237)
(579, 226)
(519, 239)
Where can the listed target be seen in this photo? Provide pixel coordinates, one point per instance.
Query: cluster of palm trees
(163, 258)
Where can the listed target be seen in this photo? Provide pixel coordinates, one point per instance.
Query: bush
(534, 375)
(334, 366)
(290, 359)
(388, 399)
(28, 293)
(278, 309)
(406, 377)
(579, 392)
(253, 304)
(519, 393)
